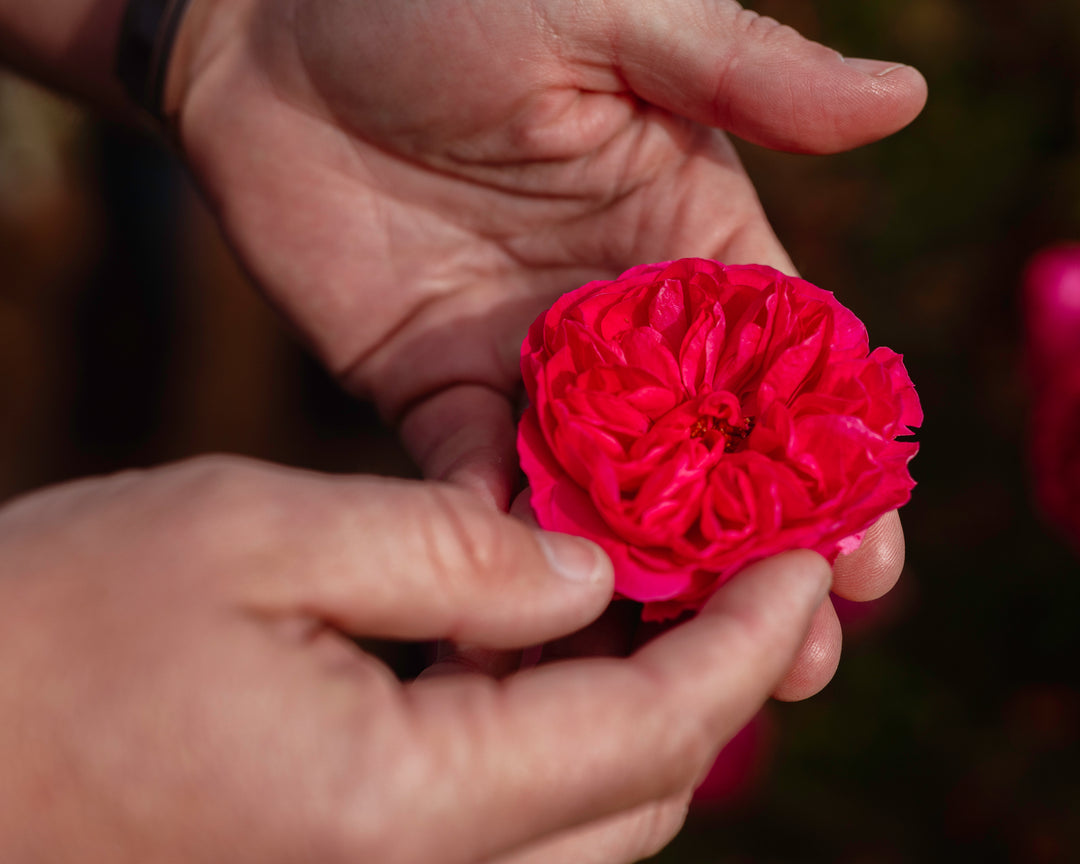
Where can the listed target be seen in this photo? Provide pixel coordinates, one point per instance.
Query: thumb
(728, 67)
(609, 736)
(409, 560)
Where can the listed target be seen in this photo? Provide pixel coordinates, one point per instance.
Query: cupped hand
(182, 680)
(413, 182)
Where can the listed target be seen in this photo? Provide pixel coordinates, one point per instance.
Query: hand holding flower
(412, 183)
(692, 418)
(181, 680)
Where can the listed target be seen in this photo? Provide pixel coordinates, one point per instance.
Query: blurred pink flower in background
(1051, 294)
(692, 417)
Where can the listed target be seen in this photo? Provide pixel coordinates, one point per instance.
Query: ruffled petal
(693, 418)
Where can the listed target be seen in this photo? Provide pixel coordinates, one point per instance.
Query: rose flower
(692, 417)
(1051, 296)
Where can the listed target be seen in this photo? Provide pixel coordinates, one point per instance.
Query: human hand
(180, 681)
(413, 182)
(865, 574)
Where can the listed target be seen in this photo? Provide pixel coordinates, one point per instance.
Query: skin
(179, 685)
(412, 238)
(410, 184)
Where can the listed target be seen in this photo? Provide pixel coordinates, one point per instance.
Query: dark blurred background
(128, 337)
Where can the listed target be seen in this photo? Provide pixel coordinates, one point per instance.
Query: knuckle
(750, 34)
(210, 498)
(216, 483)
(748, 24)
(750, 28)
(353, 826)
(874, 567)
(420, 778)
(464, 543)
(211, 472)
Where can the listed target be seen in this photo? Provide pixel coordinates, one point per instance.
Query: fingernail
(574, 559)
(874, 68)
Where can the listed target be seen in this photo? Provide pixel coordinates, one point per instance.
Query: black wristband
(147, 34)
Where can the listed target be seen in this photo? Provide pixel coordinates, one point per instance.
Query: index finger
(569, 743)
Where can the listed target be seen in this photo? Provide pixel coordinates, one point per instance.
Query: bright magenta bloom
(1052, 307)
(692, 418)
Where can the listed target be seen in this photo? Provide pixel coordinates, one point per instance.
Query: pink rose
(1052, 309)
(692, 418)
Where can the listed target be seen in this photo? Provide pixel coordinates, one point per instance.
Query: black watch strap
(147, 34)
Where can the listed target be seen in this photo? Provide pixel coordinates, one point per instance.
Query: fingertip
(534, 596)
(757, 621)
(903, 85)
(725, 662)
(899, 75)
(908, 79)
(898, 82)
(817, 660)
(763, 81)
(881, 99)
(803, 97)
(873, 569)
(576, 560)
(872, 68)
(799, 579)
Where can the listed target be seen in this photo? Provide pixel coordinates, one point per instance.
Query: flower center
(714, 430)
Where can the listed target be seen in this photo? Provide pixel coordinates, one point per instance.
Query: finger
(613, 634)
(865, 574)
(725, 66)
(592, 738)
(874, 567)
(817, 660)
(626, 837)
(757, 243)
(390, 558)
(466, 435)
(743, 235)
(610, 635)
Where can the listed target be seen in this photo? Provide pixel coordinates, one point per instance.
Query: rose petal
(692, 418)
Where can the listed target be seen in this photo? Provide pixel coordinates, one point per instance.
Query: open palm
(411, 183)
